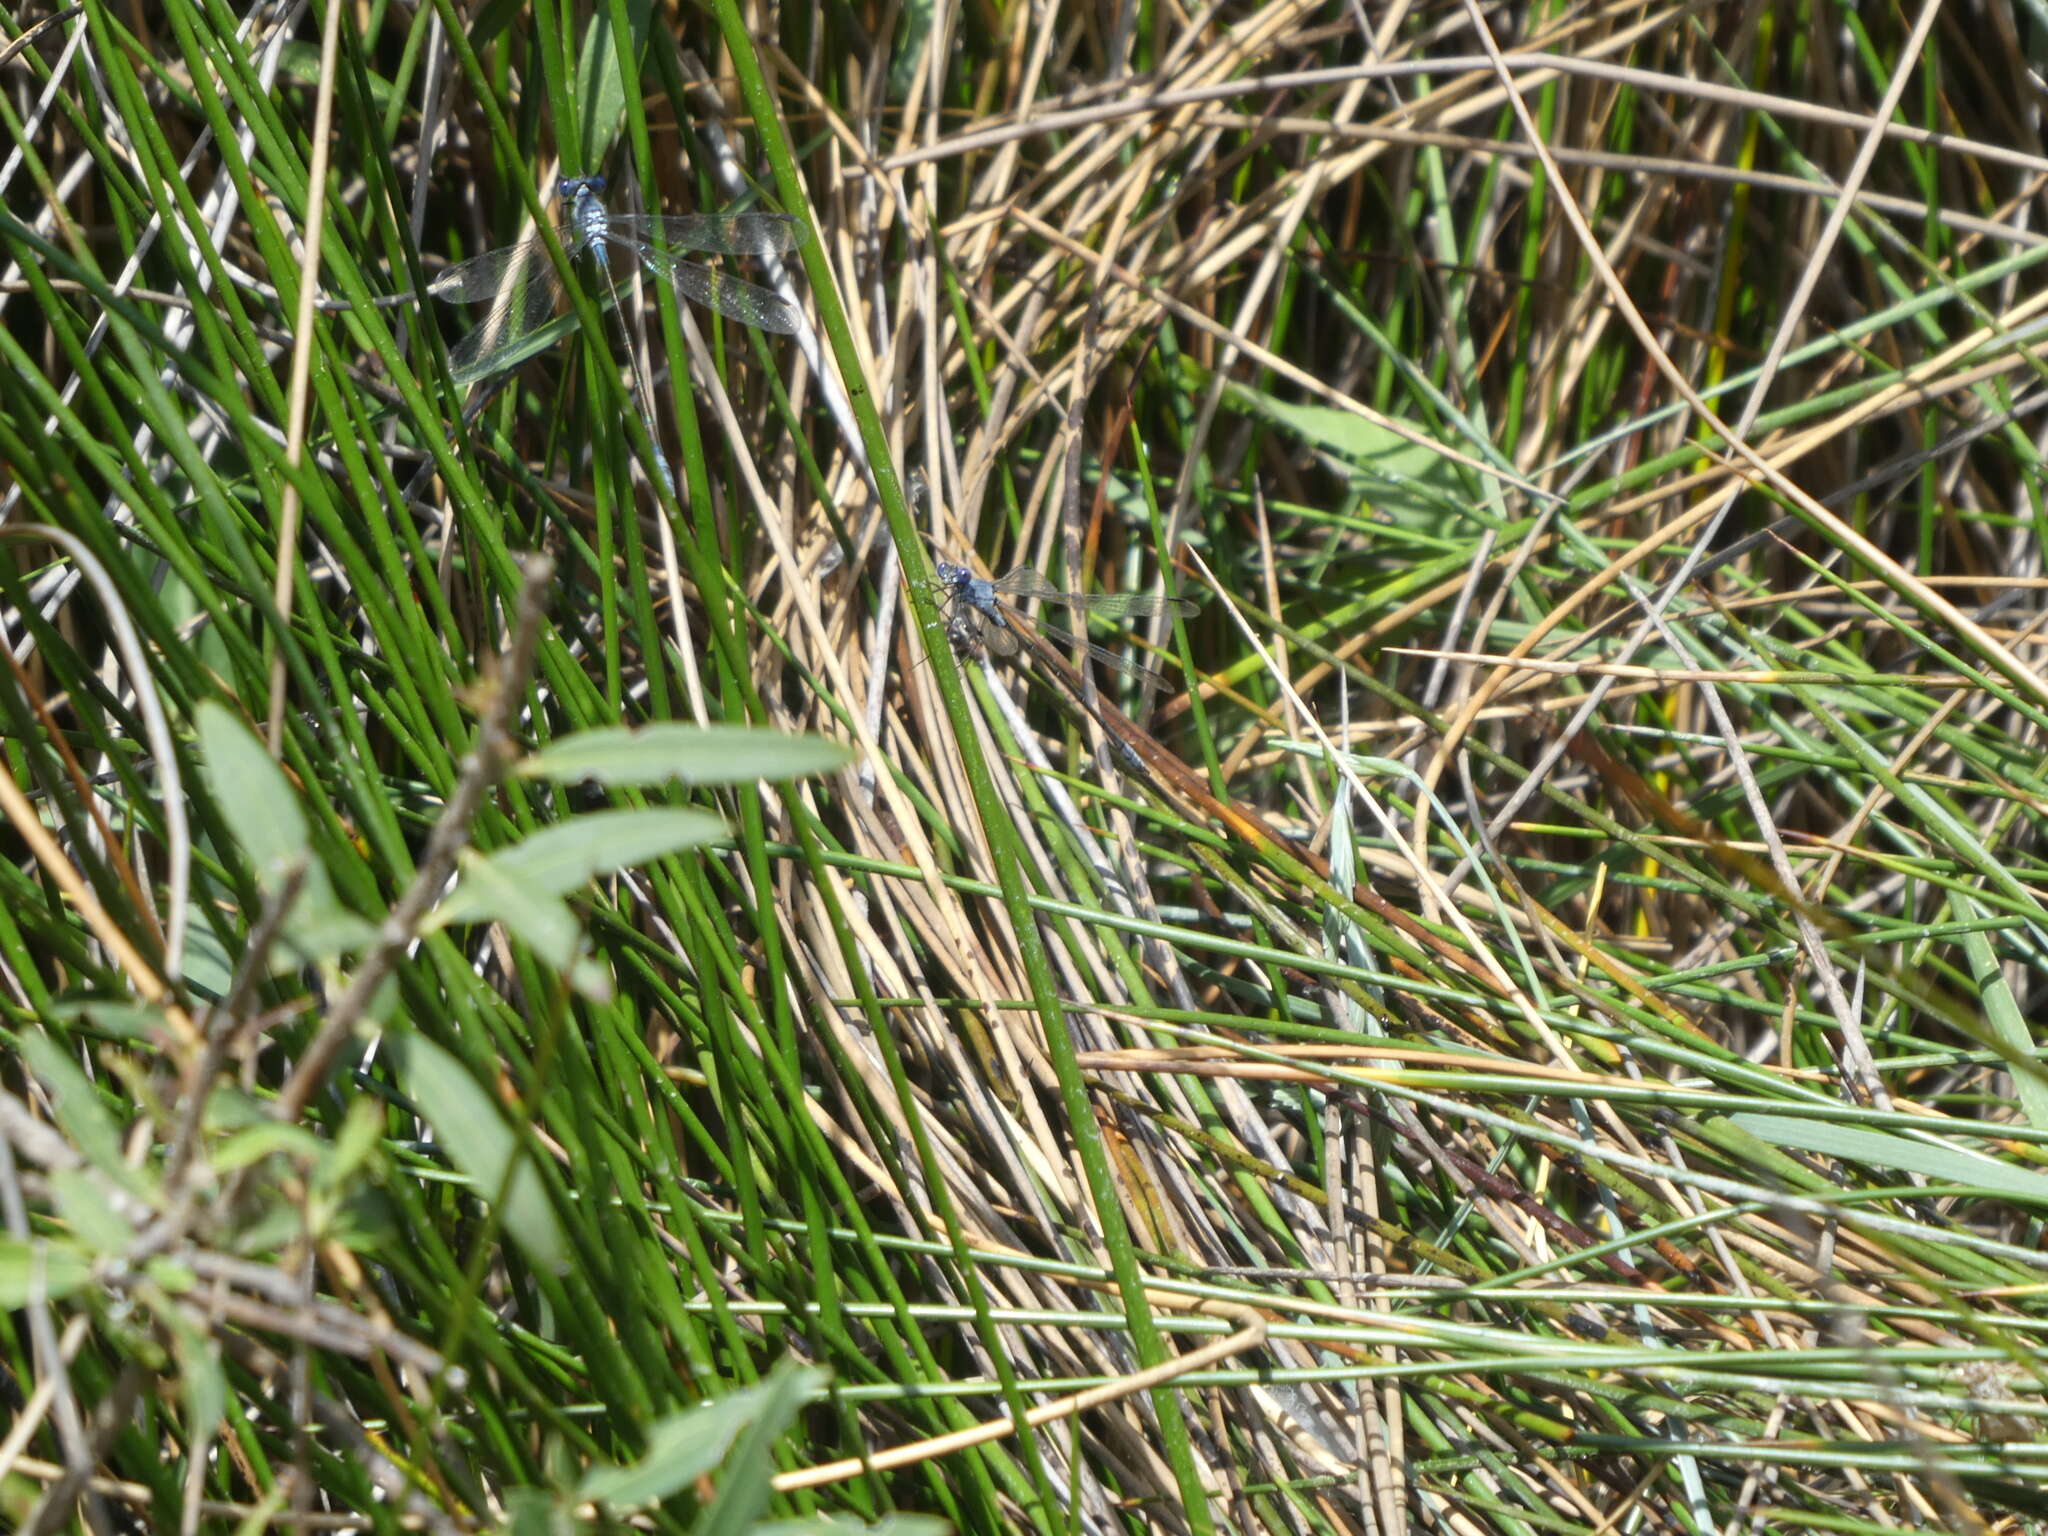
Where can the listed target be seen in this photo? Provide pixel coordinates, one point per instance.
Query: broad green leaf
(270, 1229)
(488, 895)
(689, 754)
(915, 27)
(1951, 1165)
(301, 61)
(80, 1114)
(2002, 1013)
(685, 1446)
(208, 970)
(599, 88)
(171, 1276)
(39, 1268)
(563, 858)
(472, 1130)
(271, 829)
(1410, 482)
(365, 1221)
(536, 1512)
(229, 1108)
(200, 1376)
(259, 1141)
(321, 930)
(539, 920)
(121, 1017)
(255, 793)
(494, 18)
(591, 980)
(94, 1217)
(743, 1488)
(362, 1131)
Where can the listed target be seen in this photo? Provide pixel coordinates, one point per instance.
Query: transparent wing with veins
(977, 605)
(1027, 582)
(525, 290)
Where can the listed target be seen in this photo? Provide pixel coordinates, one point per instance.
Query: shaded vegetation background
(1532, 1028)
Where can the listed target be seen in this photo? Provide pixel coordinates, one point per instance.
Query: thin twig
(481, 769)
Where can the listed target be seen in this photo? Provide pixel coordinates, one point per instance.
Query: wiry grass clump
(1531, 1027)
